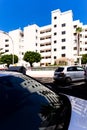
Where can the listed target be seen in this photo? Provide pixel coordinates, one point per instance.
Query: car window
(59, 69)
(79, 68)
(71, 69)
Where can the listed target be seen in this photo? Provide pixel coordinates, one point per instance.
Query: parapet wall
(39, 73)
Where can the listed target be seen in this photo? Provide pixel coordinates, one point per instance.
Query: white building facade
(55, 42)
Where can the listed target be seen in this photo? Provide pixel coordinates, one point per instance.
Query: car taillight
(62, 74)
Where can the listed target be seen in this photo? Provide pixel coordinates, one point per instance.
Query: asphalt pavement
(45, 79)
(78, 89)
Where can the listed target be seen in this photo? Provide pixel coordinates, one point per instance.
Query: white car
(69, 73)
(26, 104)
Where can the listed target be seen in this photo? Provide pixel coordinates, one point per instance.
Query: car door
(71, 72)
(80, 72)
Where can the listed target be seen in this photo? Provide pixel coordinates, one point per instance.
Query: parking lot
(77, 89)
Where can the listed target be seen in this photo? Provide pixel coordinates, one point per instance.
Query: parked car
(26, 104)
(69, 73)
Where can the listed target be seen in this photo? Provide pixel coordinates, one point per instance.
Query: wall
(43, 73)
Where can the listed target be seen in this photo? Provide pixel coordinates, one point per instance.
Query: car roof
(7, 73)
(16, 68)
(70, 66)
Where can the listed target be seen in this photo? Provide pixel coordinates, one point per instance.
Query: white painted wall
(40, 73)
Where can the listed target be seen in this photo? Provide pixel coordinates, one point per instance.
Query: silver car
(68, 74)
(26, 104)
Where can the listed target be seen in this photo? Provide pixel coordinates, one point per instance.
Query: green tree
(8, 59)
(84, 59)
(32, 57)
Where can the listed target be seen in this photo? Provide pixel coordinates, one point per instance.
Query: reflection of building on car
(26, 104)
(69, 73)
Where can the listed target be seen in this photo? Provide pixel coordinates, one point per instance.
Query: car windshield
(59, 69)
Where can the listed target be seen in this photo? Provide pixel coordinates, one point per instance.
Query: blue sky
(16, 14)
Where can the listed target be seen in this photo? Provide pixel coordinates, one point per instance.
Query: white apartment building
(55, 42)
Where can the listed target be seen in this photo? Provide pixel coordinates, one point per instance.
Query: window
(22, 53)
(75, 26)
(63, 25)
(71, 69)
(36, 44)
(55, 41)
(80, 35)
(21, 34)
(54, 57)
(75, 34)
(63, 55)
(86, 30)
(63, 47)
(85, 49)
(55, 33)
(54, 49)
(42, 38)
(63, 32)
(6, 50)
(7, 45)
(59, 69)
(75, 48)
(79, 68)
(48, 51)
(6, 40)
(75, 68)
(36, 30)
(55, 17)
(63, 40)
(55, 26)
(80, 49)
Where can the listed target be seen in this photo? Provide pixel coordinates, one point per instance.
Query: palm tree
(1, 52)
(78, 31)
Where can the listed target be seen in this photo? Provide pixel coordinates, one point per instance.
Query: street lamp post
(12, 44)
